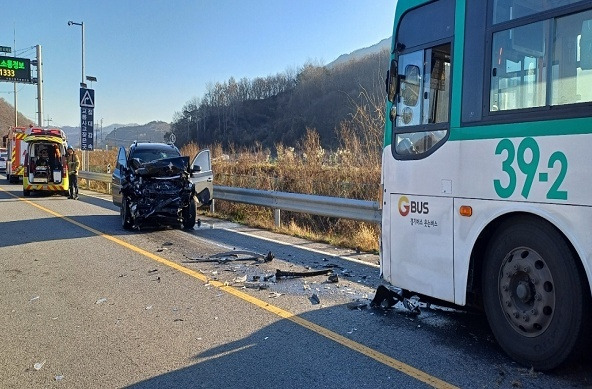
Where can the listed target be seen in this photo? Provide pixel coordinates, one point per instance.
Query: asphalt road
(85, 304)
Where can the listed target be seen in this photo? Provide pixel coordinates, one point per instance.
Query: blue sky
(150, 57)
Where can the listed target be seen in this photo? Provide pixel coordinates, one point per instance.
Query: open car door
(203, 178)
(117, 175)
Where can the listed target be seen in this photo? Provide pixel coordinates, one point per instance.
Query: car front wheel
(125, 215)
(189, 215)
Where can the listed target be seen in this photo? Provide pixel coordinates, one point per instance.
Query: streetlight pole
(82, 85)
(81, 24)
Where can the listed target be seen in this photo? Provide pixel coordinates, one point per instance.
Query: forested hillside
(7, 117)
(280, 108)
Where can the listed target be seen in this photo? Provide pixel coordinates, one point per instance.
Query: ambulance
(45, 165)
(16, 149)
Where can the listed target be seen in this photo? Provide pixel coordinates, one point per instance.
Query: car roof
(153, 146)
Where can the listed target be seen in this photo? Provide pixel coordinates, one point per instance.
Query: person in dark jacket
(73, 166)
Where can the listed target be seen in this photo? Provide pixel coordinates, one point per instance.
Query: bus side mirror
(392, 81)
(586, 45)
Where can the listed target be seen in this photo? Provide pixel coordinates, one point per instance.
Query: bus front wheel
(534, 295)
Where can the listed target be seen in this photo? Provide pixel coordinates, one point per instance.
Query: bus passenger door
(421, 212)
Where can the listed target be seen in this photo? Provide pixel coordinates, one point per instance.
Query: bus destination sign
(15, 69)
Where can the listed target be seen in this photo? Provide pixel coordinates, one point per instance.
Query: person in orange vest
(73, 165)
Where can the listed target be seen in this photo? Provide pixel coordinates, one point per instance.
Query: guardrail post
(276, 217)
(212, 207)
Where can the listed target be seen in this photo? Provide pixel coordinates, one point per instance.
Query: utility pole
(39, 87)
(15, 94)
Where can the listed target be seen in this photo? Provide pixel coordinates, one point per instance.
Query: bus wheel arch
(533, 289)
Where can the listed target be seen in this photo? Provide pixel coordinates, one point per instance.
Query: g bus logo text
(406, 206)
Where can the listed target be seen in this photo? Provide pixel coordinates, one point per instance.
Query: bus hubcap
(527, 291)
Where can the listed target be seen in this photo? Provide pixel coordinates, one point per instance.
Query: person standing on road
(73, 165)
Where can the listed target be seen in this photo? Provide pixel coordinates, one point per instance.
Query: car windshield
(153, 155)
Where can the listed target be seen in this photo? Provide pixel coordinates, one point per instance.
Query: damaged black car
(153, 184)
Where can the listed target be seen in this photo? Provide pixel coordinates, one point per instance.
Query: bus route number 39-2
(527, 158)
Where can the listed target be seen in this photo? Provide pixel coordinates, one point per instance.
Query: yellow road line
(367, 351)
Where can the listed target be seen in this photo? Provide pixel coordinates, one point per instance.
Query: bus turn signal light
(466, 210)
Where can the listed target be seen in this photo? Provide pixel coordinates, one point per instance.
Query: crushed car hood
(157, 190)
(168, 167)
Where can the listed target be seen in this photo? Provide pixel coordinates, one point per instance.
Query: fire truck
(16, 149)
(45, 164)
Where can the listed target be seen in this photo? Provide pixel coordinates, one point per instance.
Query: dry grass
(352, 171)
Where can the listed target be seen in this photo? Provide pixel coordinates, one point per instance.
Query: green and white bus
(487, 166)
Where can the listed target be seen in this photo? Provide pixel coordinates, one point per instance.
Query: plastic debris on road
(39, 365)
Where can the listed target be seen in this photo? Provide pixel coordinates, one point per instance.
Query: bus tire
(26, 193)
(534, 294)
(125, 215)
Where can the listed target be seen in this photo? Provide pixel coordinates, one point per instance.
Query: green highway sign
(15, 69)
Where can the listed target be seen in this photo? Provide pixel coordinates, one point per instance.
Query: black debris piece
(295, 274)
(314, 299)
(357, 304)
(233, 256)
(386, 298)
(333, 278)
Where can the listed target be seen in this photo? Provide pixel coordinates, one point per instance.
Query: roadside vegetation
(350, 171)
(316, 131)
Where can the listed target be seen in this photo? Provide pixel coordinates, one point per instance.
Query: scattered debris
(100, 301)
(240, 279)
(314, 299)
(152, 271)
(59, 377)
(39, 365)
(333, 278)
(386, 298)
(178, 320)
(34, 298)
(256, 285)
(357, 304)
(294, 274)
(167, 244)
(235, 255)
(275, 295)
(149, 307)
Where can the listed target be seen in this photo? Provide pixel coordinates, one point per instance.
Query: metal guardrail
(361, 210)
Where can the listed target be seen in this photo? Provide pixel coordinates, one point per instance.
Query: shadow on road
(453, 346)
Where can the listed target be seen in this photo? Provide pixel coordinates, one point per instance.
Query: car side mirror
(196, 169)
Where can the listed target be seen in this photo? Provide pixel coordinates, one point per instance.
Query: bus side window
(525, 73)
